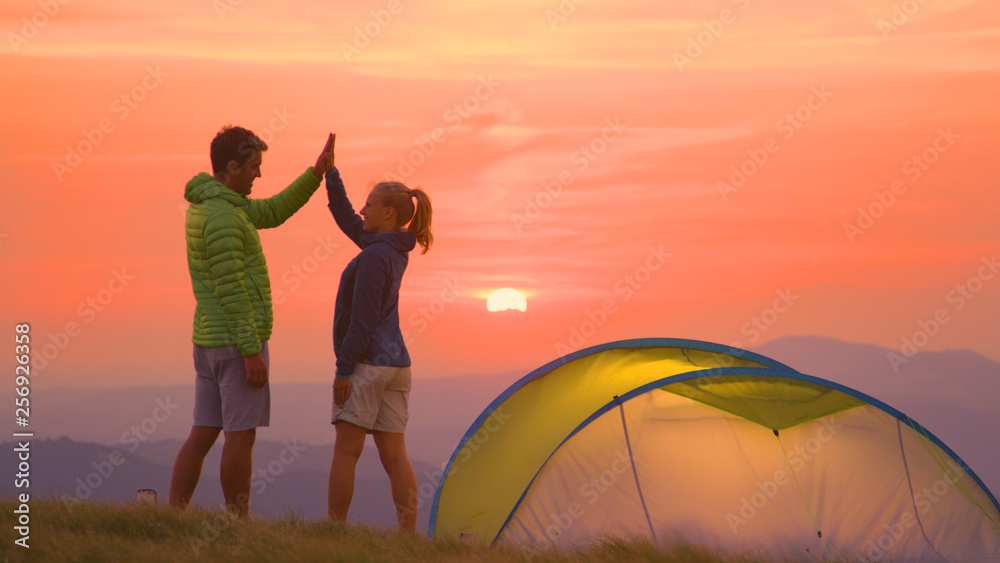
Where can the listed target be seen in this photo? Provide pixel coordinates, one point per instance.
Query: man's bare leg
(187, 464)
(236, 469)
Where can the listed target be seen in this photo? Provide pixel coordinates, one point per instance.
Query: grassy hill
(62, 468)
(123, 532)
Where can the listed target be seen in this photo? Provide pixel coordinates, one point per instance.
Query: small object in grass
(146, 496)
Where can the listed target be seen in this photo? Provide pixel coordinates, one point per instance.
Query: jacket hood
(204, 186)
(401, 242)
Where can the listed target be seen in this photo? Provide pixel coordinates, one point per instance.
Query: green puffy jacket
(228, 270)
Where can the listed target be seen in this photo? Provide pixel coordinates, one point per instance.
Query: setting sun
(506, 298)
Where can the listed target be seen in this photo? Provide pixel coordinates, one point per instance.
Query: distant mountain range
(954, 394)
(441, 410)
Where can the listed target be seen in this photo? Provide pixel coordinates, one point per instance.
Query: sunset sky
(731, 171)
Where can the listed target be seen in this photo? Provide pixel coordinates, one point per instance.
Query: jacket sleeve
(270, 212)
(366, 306)
(224, 253)
(343, 212)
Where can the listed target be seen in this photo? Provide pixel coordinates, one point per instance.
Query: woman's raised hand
(329, 154)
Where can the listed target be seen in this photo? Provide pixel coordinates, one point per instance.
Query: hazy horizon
(514, 375)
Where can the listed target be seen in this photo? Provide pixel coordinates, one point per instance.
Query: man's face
(241, 177)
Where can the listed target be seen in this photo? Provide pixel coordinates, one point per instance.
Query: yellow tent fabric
(670, 439)
(515, 439)
(772, 402)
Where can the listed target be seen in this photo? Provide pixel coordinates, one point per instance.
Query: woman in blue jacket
(372, 383)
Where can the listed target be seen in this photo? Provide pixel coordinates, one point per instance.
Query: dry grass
(120, 532)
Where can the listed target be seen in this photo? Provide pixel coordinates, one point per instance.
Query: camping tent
(713, 446)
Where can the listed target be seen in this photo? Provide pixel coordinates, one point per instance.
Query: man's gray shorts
(222, 396)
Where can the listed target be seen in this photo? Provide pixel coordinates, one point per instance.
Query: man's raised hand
(325, 160)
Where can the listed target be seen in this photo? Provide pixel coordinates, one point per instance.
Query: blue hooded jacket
(366, 316)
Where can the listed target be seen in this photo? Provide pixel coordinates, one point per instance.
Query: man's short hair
(234, 143)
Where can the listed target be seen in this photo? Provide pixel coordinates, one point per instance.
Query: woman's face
(378, 217)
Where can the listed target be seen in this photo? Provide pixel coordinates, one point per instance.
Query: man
(232, 319)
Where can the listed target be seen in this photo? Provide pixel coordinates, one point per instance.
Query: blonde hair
(397, 196)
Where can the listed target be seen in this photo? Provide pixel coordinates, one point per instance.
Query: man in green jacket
(233, 316)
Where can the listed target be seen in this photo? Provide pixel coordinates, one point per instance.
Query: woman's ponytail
(420, 227)
(400, 198)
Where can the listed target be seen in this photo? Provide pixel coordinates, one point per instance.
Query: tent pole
(628, 444)
(909, 483)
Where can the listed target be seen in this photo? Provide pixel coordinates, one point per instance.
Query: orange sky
(588, 154)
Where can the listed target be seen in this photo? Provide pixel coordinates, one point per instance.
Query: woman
(372, 384)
